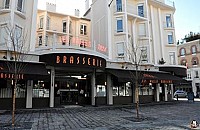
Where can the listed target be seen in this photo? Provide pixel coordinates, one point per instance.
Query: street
(167, 116)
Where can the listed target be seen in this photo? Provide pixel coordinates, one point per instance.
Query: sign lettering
(11, 76)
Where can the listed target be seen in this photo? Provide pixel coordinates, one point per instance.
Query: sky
(186, 17)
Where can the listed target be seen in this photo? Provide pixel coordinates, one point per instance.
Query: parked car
(180, 93)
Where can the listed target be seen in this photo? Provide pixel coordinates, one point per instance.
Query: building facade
(188, 55)
(17, 32)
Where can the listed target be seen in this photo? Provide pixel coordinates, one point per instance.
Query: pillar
(158, 92)
(165, 85)
(52, 88)
(29, 93)
(93, 85)
(172, 90)
(109, 90)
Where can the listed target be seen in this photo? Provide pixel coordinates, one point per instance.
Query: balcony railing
(168, 24)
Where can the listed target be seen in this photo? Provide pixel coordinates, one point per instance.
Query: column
(29, 93)
(93, 85)
(109, 90)
(158, 92)
(165, 85)
(52, 87)
(172, 90)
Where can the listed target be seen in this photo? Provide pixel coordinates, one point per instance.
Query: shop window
(196, 74)
(124, 89)
(145, 90)
(101, 91)
(40, 89)
(193, 49)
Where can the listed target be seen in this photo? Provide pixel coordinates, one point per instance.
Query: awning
(147, 76)
(177, 71)
(27, 70)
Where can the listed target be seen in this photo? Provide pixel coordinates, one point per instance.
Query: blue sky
(186, 18)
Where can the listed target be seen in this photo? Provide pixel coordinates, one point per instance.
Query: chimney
(50, 7)
(77, 12)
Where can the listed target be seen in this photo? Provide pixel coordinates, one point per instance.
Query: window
(182, 51)
(7, 4)
(70, 27)
(195, 61)
(46, 42)
(48, 23)
(170, 38)
(3, 34)
(172, 58)
(184, 62)
(83, 29)
(40, 40)
(193, 49)
(120, 49)
(142, 30)
(141, 10)
(64, 26)
(18, 34)
(196, 74)
(119, 25)
(168, 20)
(144, 54)
(20, 5)
(123, 89)
(41, 23)
(101, 91)
(119, 5)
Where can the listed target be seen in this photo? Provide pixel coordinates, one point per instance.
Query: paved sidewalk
(174, 116)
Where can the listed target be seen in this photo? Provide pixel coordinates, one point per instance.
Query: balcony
(168, 25)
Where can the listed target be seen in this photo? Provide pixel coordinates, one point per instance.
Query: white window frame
(119, 7)
(168, 23)
(194, 49)
(142, 29)
(3, 33)
(141, 14)
(172, 58)
(48, 23)
(6, 6)
(144, 48)
(83, 29)
(20, 9)
(41, 24)
(168, 35)
(182, 52)
(40, 40)
(120, 49)
(119, 30)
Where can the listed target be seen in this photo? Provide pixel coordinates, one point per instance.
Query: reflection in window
(194, 49)
(101, 91)
(124, 89)
(170, 38)
(145, 90)
(40, 90)
(119, 25)
(182, 51)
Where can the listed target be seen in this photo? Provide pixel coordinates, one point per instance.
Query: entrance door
(68, 97)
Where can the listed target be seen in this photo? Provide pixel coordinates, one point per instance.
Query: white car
(180, 93)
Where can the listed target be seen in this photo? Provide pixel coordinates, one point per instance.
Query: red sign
(101, 48)
(11, 76)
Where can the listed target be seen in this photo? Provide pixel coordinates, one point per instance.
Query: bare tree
(17, 49)
(136, 53)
